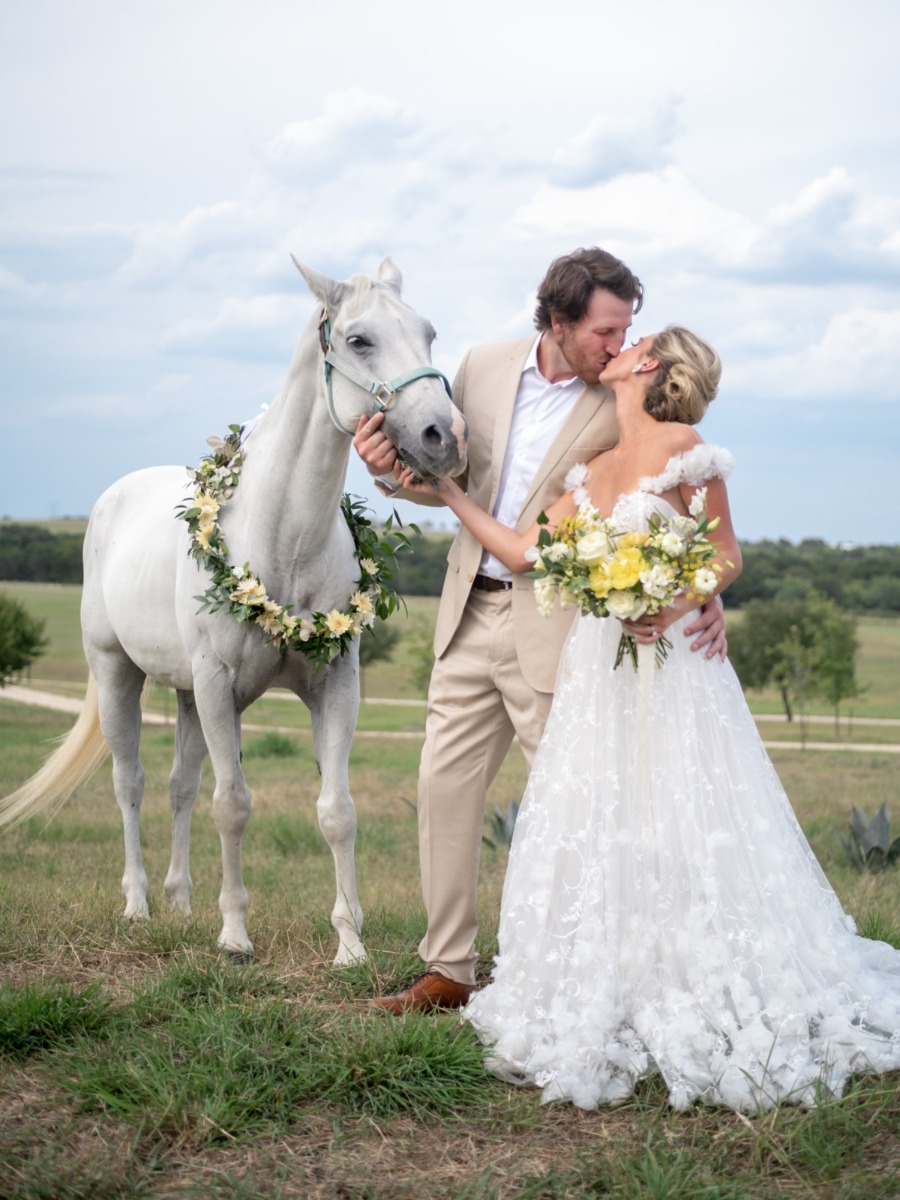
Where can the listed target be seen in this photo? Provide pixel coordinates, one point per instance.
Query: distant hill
(51, 524)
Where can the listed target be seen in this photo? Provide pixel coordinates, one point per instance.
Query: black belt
(486, 583)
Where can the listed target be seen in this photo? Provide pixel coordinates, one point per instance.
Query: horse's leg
(334, 710)
(119, 685)
(184, 784)
(231, 798)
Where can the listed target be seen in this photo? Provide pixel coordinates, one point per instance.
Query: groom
(534, 408)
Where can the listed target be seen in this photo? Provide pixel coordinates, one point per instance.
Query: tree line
(798, 632)
(860, 579)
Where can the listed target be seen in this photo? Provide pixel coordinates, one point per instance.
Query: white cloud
(659, 215)
(855, 358)
(354, 126)
(258, 327)
(165, 249)
(610, 146)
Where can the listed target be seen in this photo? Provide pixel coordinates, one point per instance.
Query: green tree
(764, 648)
(836, 650)
(804, 647)
(22, 638)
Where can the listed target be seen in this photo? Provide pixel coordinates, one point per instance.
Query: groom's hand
(374, 447)
(708, 625)
(709, 628)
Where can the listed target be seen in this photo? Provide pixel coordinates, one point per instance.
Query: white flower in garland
(321, 636)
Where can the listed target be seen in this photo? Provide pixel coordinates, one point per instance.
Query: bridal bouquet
(592, 565)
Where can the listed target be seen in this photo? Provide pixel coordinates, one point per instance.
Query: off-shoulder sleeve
(694, 466)
(575, 480)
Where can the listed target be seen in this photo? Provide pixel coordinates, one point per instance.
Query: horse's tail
(74, 761)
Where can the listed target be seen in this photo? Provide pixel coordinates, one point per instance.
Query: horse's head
(377, 356)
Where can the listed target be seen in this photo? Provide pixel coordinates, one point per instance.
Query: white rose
(593, 547)
(625, 605)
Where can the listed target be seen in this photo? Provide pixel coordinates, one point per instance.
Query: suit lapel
(509, 374)
(585, 408)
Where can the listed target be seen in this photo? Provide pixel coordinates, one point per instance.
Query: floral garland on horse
(321, 636)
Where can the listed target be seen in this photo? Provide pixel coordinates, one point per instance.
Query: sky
(160, 162)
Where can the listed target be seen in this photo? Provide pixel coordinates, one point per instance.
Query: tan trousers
(477, 702)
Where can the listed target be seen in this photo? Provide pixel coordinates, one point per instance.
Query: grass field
(135, 1062)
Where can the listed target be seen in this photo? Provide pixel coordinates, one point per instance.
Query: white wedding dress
(662, 910)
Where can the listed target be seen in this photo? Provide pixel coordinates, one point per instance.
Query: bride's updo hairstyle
(688, 376)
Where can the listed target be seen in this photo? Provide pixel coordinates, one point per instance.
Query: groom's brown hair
(566, 290)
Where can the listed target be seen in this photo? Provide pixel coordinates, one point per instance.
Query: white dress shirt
(540, 409)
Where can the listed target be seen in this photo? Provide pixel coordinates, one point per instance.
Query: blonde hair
(687, 379)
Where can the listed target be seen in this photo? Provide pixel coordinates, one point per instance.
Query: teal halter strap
(384, 392)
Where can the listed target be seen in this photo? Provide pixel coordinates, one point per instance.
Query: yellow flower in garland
(249, 591)
(337, 623)
(208, 507)
(270, 619)
(201, 537)
(625, 569)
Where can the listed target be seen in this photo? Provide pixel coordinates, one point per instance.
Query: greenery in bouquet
(588, 563)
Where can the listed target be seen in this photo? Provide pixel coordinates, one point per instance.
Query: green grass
(144, 1064)
(140, 1063)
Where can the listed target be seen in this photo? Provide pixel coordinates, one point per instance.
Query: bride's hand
(410, 482)
(649, 629)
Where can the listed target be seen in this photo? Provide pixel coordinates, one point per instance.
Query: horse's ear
(330, 291)
(389, 274)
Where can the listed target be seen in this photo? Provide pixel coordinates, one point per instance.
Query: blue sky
(159, 163)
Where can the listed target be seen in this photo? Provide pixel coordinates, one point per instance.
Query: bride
(662, 911)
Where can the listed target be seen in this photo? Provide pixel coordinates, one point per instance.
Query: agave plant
(501, 826)
(868, 844)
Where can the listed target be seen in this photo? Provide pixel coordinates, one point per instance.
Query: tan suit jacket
(485, 390)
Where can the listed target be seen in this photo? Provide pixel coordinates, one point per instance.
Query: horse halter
(383, 391)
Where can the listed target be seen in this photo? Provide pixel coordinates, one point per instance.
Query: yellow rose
(625, 569)
(599, 580)
(635, 537)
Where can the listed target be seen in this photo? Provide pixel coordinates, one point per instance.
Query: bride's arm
(501, 541)
(728, 561)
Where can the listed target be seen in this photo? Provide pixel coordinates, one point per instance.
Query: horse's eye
(359, 343)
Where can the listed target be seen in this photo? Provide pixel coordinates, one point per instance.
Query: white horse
(140, 618)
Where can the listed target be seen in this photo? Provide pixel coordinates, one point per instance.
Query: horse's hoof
(240, 958)
(346, 957)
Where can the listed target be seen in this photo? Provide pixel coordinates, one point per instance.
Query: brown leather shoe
(430, 991)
